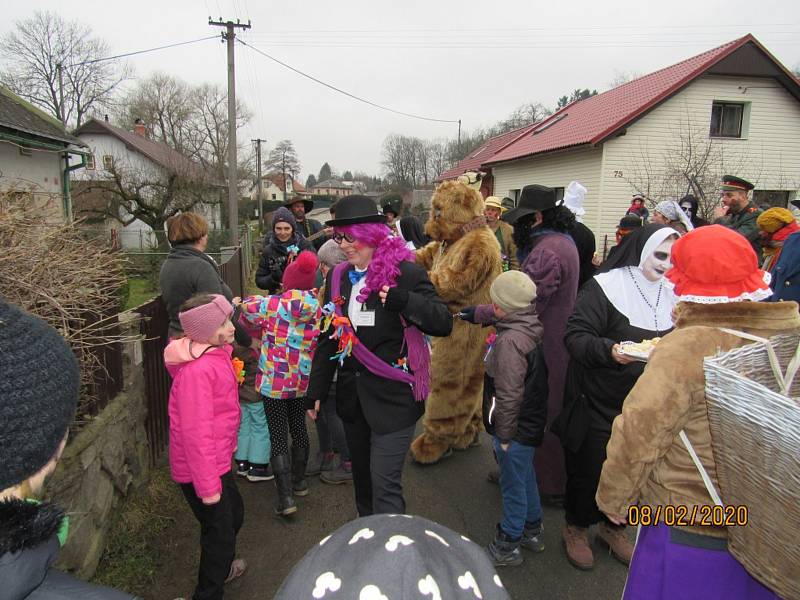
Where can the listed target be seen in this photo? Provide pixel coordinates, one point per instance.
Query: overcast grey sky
(446, 59)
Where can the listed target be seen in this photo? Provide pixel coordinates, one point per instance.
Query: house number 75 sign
(618, 174)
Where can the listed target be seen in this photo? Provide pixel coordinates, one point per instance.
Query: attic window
(549, 124)
(108, 162)
(90, 162)
(726, 119)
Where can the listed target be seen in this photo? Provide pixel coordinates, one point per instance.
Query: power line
(97, 60)
(341, 91)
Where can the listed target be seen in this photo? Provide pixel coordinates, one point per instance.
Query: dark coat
(387, 406)
(745, 222)
(515, 381)
(596, 384)
(586, 245)
(28, 547)
(272, 263)
(187, 272)
(309, 227)
(786, 273)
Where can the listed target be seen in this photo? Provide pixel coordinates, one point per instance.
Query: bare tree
(692, 162)
(32, 53)
(621, 77)
(283, 159)
(191, 119)
(126, 192)
(525, 114)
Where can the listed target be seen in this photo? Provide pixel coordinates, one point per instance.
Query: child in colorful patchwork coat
(290, 323)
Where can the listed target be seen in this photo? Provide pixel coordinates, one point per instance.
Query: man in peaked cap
(738, 211)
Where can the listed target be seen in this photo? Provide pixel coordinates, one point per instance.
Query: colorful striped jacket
(290, 325)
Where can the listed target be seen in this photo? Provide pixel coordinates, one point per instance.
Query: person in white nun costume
(628, 300)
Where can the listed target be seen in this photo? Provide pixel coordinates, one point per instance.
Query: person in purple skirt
(650, 475)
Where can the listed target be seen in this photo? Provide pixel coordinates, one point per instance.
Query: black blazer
(387, 405)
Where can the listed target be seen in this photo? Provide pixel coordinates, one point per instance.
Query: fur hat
(301, 273)
(284, 215)
(512, 291)
(331, 254)
(39, 384)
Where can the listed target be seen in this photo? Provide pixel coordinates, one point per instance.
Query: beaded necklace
(646, 301)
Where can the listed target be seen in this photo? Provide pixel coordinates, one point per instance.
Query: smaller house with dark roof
(36, 157)
(117, 152)
(735, 106)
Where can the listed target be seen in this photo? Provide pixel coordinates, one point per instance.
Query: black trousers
(219, 524)
(583, 475)
(377, 461)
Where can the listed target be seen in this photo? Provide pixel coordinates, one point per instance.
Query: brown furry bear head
(453, 205)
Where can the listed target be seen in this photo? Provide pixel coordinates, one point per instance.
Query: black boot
(299, 463)
(283, 481)
(504, 551)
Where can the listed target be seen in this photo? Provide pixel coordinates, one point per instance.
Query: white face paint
(687, 208)
(659, 262)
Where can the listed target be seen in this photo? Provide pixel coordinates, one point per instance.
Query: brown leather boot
(617, 542)
(576, 543)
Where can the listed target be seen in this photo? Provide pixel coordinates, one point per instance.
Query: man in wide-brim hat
(306, 226)
(493, 209)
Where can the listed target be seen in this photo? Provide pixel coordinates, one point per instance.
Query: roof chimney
(106, 117)
(139, 128)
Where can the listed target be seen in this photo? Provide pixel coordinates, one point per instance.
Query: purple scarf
(418, 353)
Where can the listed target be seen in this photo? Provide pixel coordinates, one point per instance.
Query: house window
(274, 196)
(514, 195)
(726, 119)
(771, 198)
(108, 162)
(90, 165)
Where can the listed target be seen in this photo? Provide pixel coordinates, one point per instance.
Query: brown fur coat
(461, 266)
(647, 463)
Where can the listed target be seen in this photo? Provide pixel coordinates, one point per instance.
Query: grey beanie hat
(331, 254)
(512, 291)
(284, 215)
(39, 384)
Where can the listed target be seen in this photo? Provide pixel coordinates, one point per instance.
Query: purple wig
(390, 251)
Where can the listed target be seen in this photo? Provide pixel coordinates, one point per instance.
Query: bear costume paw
(427, 450)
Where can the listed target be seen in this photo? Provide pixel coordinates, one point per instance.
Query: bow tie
(356, 276)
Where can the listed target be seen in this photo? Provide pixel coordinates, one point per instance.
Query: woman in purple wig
(379, 304)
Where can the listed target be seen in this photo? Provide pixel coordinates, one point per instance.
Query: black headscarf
(397, 557)
(411, 230)
(629, 251)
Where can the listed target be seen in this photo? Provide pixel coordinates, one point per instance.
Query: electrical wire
(341, 91)
(97, 60)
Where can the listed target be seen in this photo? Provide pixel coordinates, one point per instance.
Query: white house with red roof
(737, 103)
(118, 150)
(273, 188)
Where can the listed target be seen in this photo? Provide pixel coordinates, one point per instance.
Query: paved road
(454, 493)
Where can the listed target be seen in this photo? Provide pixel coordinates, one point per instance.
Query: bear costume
(462, 262)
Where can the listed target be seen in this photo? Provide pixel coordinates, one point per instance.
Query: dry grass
(131, 556)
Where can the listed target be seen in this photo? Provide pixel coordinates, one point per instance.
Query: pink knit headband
(200, 323)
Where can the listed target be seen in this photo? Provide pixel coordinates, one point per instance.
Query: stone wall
(100, 466)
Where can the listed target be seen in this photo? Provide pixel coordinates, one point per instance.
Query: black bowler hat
(356, 209)
(533, 198)
(735, 184)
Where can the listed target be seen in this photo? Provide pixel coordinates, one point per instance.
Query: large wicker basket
(754, 416)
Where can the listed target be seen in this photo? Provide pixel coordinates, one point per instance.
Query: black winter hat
(39, 386)
(532, 198)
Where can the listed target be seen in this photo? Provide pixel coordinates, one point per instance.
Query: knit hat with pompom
(301, 273)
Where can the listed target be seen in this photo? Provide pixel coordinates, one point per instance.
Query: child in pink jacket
(203, 423)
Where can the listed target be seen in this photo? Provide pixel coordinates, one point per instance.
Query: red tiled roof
(483, 153)
(277, 179)
(594, 119)
(158, 152)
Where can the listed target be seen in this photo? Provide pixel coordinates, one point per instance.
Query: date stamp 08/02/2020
(681, 515)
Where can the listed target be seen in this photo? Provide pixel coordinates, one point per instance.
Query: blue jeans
(521, 501)
(253, 443)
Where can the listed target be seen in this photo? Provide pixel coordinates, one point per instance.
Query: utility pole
(459, 137)
(258, 184)
(233, 192)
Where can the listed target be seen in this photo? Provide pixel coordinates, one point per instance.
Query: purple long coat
(553, 265)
